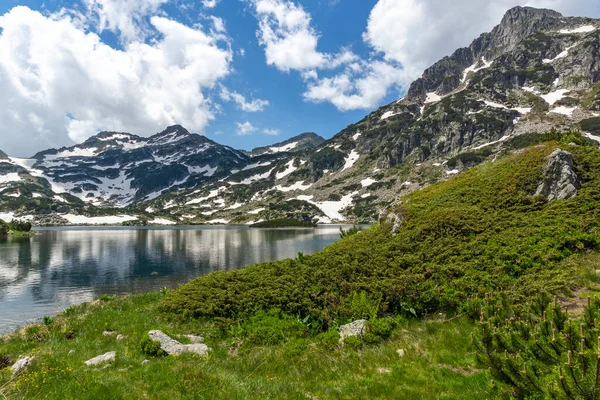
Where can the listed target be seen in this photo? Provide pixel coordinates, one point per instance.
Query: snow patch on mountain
(581, 29)
(10, 177)
(296, 186)
(555, 96)
(332, 209)
(568, 111)
(432, 97)
(289, 169)
(254, 178)
(558, 57)
(107, 220)
(473, 68)
(351, 160)
(367, 182)
(256, 165)
(161, 221)
(283, 148)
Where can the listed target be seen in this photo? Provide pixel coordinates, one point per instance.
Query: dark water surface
(47, 273)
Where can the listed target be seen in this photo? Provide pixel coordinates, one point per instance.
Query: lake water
(59, 267)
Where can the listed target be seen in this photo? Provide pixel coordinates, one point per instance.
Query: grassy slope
(479, 232)
(476, 233)
(438, 362)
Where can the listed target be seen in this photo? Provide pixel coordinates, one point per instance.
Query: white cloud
(218, 24)
(60, 84)
(361, 85)
(245, 128)
(254, 105)
(210, 3)
(285, 31)
(271, 132)
(125, 17)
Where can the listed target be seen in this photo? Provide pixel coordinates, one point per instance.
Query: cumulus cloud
(361, 85)
(289, 40)
(124, 17)
(253, 105)
(210, 3)
(271, 132)
(61, 84)
(245, 128)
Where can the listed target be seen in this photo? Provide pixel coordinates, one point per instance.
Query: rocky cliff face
(536, 72)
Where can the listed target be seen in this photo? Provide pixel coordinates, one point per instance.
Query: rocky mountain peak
(297, 143)
(3, 155)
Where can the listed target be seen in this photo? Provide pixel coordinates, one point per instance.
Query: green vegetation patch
(479, 232)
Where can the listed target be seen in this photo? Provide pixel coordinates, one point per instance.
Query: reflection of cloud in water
(48, 272)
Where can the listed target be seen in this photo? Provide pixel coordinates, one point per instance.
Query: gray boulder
(107, 357)
(21, 365)
(173, 347)
(356, 328)
(194, 339)
(560, 180)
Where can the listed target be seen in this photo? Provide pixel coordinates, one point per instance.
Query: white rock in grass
(356, 328)
(173, 347)
(145, 362)
(195, 339)
(108, 357)
(401, 353)
(21, 365)
(120, 337)
(109, 333)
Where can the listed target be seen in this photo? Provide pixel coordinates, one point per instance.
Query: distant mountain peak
(3, 155)
(300, 142)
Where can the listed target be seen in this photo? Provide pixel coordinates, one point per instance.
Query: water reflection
(59, 267)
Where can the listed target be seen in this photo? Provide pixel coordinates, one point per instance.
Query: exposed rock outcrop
(21, 365)
(173, 347)
(356, 328)
(560, 180)
(107, 357)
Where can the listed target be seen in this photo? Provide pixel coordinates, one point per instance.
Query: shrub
(381, 327)
(541, 352)
(344, 233)
(364, 306)
(329, 340)
(353, 342)
(151, 347)
(271, 328)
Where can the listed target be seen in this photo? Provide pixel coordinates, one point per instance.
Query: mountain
(536, 73)
(301, 142)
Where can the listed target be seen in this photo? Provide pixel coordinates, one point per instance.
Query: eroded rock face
(173, 347)
(560, 180)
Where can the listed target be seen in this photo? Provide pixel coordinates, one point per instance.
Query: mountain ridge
(534, 73)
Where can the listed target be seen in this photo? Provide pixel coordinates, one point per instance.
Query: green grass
(439, 361)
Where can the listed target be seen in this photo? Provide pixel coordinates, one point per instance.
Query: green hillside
(273, 327)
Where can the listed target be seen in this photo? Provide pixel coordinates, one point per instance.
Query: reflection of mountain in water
(61, 267)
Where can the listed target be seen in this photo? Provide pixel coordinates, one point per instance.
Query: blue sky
(243, 72)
